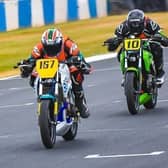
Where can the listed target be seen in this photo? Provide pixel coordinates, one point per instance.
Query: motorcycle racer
(142, 27)
(54, 45)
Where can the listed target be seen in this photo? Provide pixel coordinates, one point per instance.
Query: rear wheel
(131, 85)
(47, 124)
(153, 101)
(72, 132)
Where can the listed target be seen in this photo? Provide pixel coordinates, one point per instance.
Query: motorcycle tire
(47, 129)
(72, 132)
(153, 101)
(131, 86)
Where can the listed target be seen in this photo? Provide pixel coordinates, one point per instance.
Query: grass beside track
(88, 34)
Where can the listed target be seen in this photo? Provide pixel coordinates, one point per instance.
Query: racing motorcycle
(57, 113)
(137, 66)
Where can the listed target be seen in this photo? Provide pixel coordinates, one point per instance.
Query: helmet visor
(52, 50)
(136, 26)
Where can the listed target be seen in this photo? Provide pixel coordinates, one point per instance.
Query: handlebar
(112, 40)
(22, 64)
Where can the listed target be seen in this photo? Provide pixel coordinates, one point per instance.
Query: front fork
(136, 70)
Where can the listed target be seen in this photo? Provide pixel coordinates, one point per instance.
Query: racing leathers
(151, 30)
(69, 50)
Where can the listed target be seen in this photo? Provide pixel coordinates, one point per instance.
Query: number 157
(46, 64)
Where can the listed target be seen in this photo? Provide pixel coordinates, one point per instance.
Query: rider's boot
(157, 52)
(160, 73)
(160, 77)
(80, 102)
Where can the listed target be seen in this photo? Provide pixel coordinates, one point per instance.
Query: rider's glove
(75, 60)
(112, 43)
(86, 68)
(164, 42)
(81, 64)
(160, 38)
(25, 68)
(24, 73)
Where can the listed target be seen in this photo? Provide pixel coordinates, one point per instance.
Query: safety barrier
(16, 14)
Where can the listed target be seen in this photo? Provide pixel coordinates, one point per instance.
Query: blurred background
(97, 20)
(16, 14)
(121, 6)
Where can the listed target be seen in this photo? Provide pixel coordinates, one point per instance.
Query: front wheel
(131, 85)
(47, 124)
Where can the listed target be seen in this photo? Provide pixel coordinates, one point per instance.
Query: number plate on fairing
(46, 68)
(132, 44)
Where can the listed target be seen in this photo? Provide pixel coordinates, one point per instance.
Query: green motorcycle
(137, 66)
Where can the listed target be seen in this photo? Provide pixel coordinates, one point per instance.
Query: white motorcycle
(56, 102)
(57, 113)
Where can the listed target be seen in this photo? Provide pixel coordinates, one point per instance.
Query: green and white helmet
(52, 41)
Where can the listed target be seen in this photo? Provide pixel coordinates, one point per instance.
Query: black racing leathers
(151, 30)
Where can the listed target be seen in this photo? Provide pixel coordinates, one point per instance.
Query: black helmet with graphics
(135, 21)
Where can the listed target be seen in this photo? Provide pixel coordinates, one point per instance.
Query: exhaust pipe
(62, 128)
